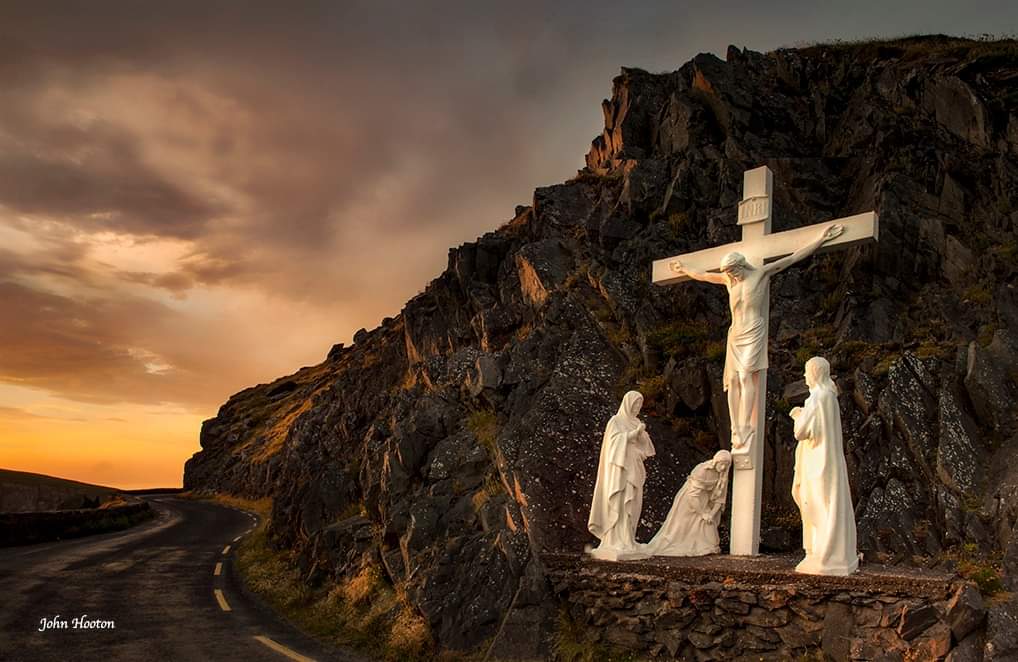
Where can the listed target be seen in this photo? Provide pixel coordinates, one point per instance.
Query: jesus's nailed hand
(833, 231)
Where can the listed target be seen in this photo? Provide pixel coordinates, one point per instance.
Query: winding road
(168, 587)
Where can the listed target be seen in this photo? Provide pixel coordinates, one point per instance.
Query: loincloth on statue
(746, 351)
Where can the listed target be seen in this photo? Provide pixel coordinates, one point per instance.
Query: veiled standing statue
(820, 487)
(691, 528)
(618, 492)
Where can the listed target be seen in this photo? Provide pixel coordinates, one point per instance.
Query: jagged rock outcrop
(458, 441)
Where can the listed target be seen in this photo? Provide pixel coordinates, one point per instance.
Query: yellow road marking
(280, 648)
(219, 569)
(221, 599)
(226, 550)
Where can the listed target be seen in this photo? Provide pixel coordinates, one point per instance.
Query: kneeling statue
(691, 528)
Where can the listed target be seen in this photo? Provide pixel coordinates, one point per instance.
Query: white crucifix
(745, 269)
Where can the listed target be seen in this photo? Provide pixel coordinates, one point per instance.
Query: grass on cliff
(363, 612)
(484, 425)
(984, 570)
(910, 47)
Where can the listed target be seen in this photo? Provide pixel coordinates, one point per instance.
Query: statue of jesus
(746, 352)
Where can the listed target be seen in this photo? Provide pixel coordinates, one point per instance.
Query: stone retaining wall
(33, 527)
(725, 608)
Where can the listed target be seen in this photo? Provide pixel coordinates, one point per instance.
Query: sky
(199, 197)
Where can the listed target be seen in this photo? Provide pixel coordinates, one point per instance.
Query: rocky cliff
(456, 442)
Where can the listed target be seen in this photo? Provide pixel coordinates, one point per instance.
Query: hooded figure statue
(618, 491)
(691, 528)
(820, 487)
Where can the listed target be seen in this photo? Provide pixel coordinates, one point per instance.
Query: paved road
(156, 582)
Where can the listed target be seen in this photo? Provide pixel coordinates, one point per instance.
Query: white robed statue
(691, 528)
(820, 487)
(618, 492)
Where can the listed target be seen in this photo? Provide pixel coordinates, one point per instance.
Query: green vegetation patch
(484, 425)
(984, 570)
(363, 612)
(680, 338)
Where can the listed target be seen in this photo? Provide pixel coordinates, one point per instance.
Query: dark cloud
(104, 351)
(93, 177)
(319, 154)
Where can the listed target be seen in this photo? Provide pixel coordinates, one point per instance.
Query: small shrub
(884, 366)
(805, 353)
(985, 571)
(484, 425)
(935, 350)
(492, 487)
(703, 438)
(652, 389)
(831, 302)
(678, 338)
(352, 510)
(985, 336)
(979, 294)
(1008, 251)
(677, 222)
(619, 336)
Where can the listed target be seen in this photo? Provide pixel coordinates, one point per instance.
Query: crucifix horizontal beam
(859, 229)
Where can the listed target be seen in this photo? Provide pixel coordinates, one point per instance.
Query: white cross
(759, 247)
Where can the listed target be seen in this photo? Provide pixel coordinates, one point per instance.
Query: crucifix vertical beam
(747, 474)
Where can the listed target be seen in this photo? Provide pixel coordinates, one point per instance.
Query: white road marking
(221, 599)
(226, 550)
(280, 648)
(219, 569)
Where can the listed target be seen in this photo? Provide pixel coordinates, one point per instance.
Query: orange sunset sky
(197, 197)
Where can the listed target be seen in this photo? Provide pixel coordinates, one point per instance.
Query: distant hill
(22, 491)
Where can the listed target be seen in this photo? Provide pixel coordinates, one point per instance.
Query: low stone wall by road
(33, 527)
(731, 608)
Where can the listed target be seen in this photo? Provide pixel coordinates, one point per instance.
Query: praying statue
(746, 351)
(691, 528)
(820, 485)
(618, 492)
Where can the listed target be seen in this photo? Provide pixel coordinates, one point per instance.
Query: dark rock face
(467, 428)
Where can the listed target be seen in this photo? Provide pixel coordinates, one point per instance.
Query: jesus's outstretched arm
(831, 232)
(705, 276)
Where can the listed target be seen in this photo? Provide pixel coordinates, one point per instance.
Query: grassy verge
(364, 612)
